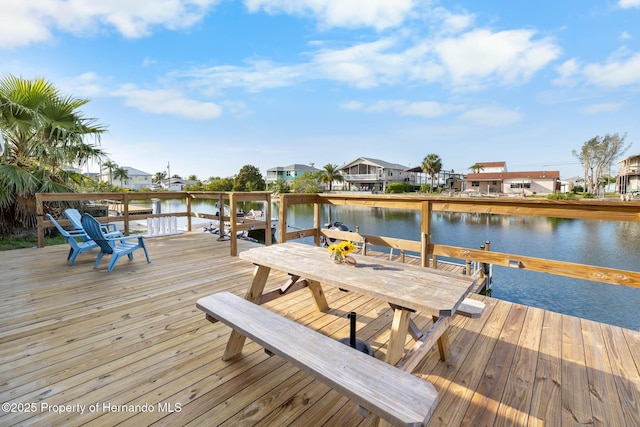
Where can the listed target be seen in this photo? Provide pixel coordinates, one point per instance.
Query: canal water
(601, 243)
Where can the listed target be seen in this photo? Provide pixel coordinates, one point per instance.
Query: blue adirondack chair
(75, 217)
(114, 246)
(71, 236)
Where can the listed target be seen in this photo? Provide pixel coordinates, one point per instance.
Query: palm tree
(476, 167)
(431, 165)
(44, 141)
(159, 176)
(110, 166)
(121, 174)
(329, 175)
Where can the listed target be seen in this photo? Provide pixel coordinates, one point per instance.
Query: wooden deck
(131, 347)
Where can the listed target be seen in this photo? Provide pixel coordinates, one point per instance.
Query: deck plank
(75, 335)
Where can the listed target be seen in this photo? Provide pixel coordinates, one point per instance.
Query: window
(475, 183)
(520, 184)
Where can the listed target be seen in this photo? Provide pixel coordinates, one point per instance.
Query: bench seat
(393, 395)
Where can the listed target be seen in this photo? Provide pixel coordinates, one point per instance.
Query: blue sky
(212, 85)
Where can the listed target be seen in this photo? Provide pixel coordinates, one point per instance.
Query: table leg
(399, 330)
(236, 340)
(443, 341)
(318, 295)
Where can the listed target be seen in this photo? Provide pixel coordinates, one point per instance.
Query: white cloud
(449, 22)
(480, 56)
(609, 107)
(253, 77)
(428, 109)
(379, 14)
(22, 22)
(470, 61)
(616, 72)
(168, 102)
(568, 73)
(491, 116)
(626, 4)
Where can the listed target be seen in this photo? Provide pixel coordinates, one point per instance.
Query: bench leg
(399, 329)
(318, 295)
(236, 340)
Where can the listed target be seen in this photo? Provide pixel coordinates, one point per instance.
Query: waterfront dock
(133, 344)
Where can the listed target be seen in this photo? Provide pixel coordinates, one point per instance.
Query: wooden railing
(49, 201)
(429, 252)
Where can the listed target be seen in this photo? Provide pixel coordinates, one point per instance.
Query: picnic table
(407, 288)
(386, 389)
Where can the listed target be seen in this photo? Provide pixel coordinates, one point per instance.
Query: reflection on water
(601, 243)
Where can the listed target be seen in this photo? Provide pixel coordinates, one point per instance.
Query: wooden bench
(390, 393)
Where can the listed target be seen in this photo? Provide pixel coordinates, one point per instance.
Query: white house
(366, 174)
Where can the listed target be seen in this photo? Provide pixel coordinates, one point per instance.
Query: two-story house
(366, 174)
(629, 175)
(287, 173)
(136, 179)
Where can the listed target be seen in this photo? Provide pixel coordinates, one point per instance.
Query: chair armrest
(115, 238)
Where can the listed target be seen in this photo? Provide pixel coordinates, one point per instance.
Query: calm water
(601, 243)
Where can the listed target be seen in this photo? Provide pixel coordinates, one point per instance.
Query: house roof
(133, 171)
(375, 162)
(295, 166)
(493, 164)
(499, 176)
(629, 158)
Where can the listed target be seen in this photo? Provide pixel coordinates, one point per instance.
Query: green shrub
(399, 187)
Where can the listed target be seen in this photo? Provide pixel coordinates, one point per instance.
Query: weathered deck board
(75, 335)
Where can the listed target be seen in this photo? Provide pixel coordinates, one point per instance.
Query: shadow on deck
(83, 346)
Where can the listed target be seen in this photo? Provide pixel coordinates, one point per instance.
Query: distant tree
(249, 179)
(329, 175)
(220, 184)
(308, 182)
(192, 178)
(110, 166)
(431, 165)
(476, 167)
(596, 157)
(121, 174)
(280, 186)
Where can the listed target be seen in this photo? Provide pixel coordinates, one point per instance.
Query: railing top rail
(611, 210)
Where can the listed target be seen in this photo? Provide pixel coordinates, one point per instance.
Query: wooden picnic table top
(425, 290)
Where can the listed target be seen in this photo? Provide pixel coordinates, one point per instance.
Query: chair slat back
(93, 229)
(62, 231)
(74, 216)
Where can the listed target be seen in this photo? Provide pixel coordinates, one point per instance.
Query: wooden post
(267, 218)
(232, 221)
(316, 223)
(424, 232)
(40, 219)
(188, 197)
(125, 200)
(282, 220)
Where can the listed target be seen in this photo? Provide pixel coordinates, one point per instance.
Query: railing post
(282, 219)
(424, 232)
(267, 218)
(125, 201)
(316, 223)
(40, 219)
(188, 197)
(232, 221)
